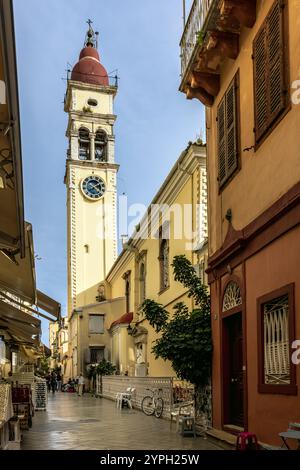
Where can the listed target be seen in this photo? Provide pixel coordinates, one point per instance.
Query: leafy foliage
(185, 336)
(44, 365)
(103, 368)
(156, 315)
(200, 37)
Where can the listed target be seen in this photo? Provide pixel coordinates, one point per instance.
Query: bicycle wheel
(159, 407)
(147, 405)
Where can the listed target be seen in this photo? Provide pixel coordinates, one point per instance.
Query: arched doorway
(233, 368)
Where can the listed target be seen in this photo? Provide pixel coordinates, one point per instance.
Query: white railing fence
(174, 391)
(111, 385)
(194, 25)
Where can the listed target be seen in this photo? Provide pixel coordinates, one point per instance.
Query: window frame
(258, 141)
(86, 141)
(162, 241)
(281, 389)
(104, 146)
(96, 315)
(96, 348)
(142, 282)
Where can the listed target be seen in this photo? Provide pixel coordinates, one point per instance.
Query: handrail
(194, 25)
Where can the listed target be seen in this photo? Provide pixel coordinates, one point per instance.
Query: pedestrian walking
(53, 382)
(48, 380)
(58, 381)
(80, 385)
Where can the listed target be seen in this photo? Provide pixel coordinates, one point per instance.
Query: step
(223, 436)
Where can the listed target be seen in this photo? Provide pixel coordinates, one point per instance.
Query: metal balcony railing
(193, 27)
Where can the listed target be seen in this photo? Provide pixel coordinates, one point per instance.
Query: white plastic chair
(126, 397)
(122, 396)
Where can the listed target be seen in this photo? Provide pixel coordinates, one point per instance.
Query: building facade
(175, 223)
(243, 66)
(111, 326)
(91, 191)
(20, 301)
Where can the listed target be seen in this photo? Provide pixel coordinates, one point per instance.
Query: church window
(84, 144)
(142, 283)
(101, 146)
(126, 278)
(164, 263)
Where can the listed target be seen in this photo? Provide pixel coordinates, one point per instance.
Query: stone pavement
(89, 423)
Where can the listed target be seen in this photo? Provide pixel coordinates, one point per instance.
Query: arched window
(84, 144)
(164, 263)
(232, 296)
(142, 283)
(101, 146)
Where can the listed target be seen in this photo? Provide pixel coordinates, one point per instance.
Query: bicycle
(153, 404)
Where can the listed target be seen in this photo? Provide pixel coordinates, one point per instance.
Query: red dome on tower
(89, 69)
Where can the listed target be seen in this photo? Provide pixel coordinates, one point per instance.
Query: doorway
(233, 373)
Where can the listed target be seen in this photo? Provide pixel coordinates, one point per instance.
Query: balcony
(210, 36)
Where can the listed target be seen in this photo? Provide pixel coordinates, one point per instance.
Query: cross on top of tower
(91, 39)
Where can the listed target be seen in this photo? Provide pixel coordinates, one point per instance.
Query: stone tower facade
(91, 176)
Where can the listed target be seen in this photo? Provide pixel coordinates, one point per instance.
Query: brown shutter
(260, 82)
(227, 134)
(275, 61)
(221, 142)
(269, 73)
(231, 129)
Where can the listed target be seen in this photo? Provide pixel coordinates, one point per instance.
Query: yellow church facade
(110, 324)
(105, 292)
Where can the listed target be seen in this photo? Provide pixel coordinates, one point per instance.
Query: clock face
(93, 187)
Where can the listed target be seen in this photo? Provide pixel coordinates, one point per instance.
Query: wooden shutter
(275, 61)
(231, 129)
(221, 142)
(260, 83)
(269, 73)
(227, 134)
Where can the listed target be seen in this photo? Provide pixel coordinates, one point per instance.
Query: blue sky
(155, 121)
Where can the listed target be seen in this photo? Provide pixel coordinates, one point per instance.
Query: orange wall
(270, 171)
(272, 268)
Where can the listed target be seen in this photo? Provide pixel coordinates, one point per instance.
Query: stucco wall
(275, 266)
(273, 168)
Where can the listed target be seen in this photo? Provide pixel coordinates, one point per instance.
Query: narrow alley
(88, 423)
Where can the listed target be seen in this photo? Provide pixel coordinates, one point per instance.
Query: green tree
(185, 337)
(44, 365)
(103, 368)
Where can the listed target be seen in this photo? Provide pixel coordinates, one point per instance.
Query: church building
(105, 292)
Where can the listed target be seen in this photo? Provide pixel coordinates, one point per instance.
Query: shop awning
(17, 275)
(21, 326)
(12, 233)
(48, 305)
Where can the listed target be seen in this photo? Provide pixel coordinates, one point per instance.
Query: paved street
(87, 423)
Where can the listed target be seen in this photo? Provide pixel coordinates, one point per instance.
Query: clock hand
(94, 186)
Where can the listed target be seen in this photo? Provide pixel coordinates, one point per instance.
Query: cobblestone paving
(88, 423)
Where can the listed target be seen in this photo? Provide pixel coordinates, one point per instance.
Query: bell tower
(91, 175)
